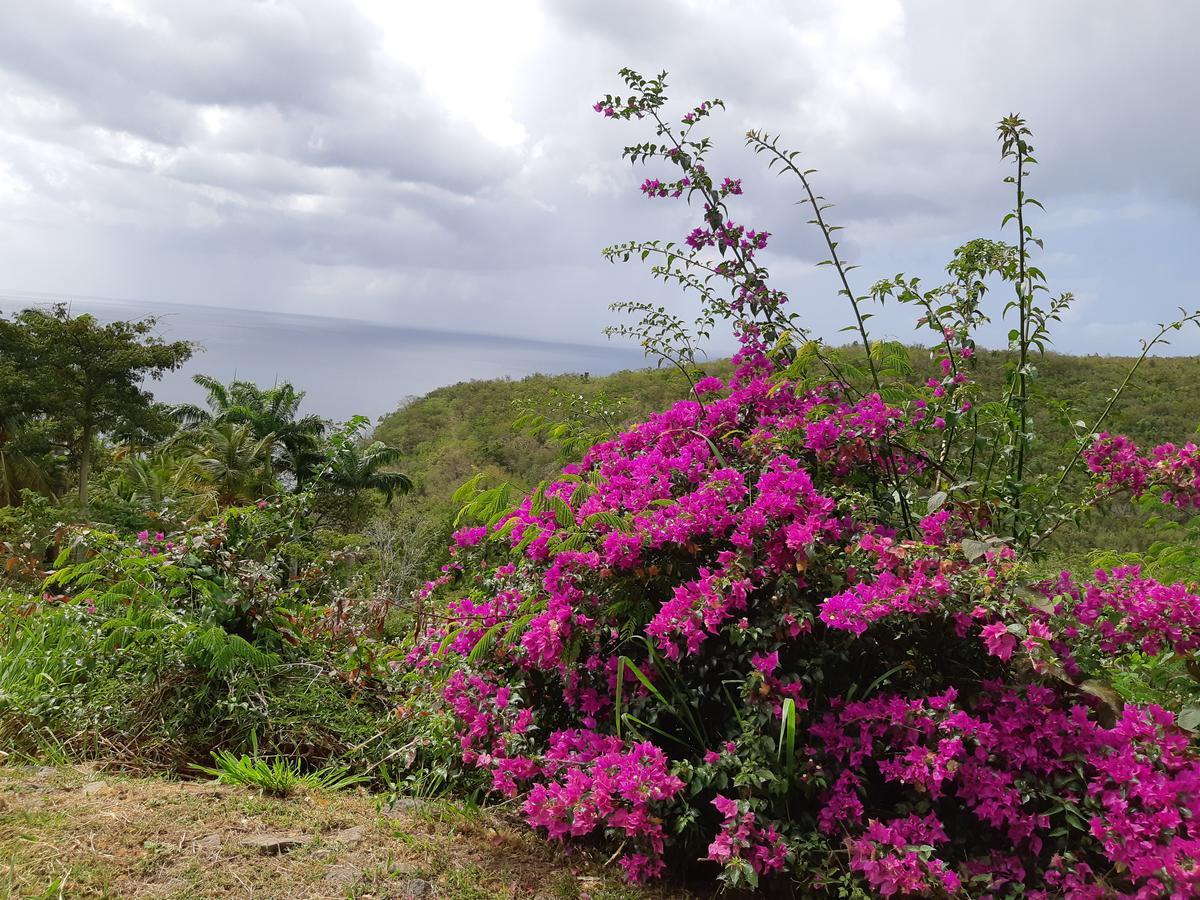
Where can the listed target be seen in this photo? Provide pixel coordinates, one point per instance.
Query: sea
(346, 367)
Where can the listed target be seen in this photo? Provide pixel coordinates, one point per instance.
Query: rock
(274, 844)
(347, 837)
(343, 877)
(404, 805)
(416, 887)
(208, 842)
(96, 789)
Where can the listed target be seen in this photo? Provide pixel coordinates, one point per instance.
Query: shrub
(794, 625)
(161, 647)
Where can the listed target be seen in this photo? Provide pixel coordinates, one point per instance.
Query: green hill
(456, 431)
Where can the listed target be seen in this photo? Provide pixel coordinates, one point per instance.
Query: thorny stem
(1012, 132)
(948, 440)
(714, 200)
(827, 232)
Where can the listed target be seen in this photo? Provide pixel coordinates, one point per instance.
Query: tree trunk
(85, 466)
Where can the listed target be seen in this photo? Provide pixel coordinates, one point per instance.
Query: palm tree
(356, 468)
(296, 439)
(234, 460)
(164, 480)
(23, 466)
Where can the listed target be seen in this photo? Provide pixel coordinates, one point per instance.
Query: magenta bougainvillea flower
(678, 633)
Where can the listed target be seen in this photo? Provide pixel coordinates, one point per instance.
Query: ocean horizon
(346, 367)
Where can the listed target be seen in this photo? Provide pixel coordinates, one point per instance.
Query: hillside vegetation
(464, 429)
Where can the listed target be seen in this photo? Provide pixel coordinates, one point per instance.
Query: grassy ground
(83, 832)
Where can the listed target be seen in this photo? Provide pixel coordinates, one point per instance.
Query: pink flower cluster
(915, 591)
(741, 838)
(896, 858)
(1117, 464)
(156, 543)
(1136, 785)
(1122, 610)
(592, 781)
(652, 187)
(727, 236)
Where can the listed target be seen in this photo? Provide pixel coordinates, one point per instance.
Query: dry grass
(80, 832)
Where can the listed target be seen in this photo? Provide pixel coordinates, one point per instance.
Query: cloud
(440, 164)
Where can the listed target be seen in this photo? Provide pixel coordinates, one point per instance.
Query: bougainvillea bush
(780, 628)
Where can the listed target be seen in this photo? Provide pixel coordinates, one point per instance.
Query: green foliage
(82, 379)
(356, 467)
(27, 459)
(162, 646)
(1172, 556)
(234, 461)
(276, 776)
(286, 442)
(572, 422)
(454, 432)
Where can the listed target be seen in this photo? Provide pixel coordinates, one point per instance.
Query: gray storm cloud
(287, 157)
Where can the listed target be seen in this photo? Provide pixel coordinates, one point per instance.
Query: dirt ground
(87, 832)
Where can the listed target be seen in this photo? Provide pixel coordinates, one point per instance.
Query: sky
(383, 167)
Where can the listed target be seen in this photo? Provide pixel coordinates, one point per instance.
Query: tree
(86, 377)
(235, 461)
(356, 468)
(26, 462)
(275, 411)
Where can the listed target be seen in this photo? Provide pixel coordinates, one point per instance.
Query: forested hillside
(454, 432)
(472, 427)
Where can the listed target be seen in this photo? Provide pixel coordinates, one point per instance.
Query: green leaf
(1189, 718)
(973, 550)
(787, 734)
(563, 514)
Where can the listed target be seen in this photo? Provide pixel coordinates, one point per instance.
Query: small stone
(404, 804)
(274, 844)
(416, 887)
(343, 876)
(347, 837)
(208, 842)
(96, 789)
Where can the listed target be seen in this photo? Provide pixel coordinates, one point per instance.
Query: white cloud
(439, 162)
(468, 56)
